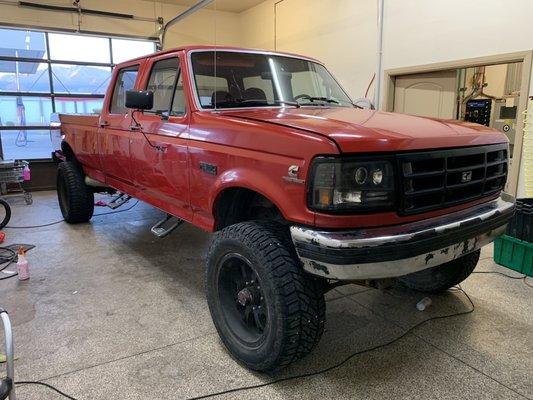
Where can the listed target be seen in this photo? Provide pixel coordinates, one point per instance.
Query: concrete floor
(111, 312)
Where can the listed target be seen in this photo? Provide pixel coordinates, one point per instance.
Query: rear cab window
(125, 81)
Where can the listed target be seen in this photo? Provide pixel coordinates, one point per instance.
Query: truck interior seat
(254, 94)
(220, 96)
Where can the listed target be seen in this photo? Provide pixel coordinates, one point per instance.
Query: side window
(125, 81)
(162, 82)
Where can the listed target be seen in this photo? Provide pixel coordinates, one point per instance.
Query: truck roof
(190, 48)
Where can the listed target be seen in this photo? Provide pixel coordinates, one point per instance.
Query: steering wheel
(302, 96)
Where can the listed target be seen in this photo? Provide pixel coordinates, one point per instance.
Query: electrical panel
(478, 111)
(504, 117)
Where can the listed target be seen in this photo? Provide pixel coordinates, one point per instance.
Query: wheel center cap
(244, 297)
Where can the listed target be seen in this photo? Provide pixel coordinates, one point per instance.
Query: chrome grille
(437, 179)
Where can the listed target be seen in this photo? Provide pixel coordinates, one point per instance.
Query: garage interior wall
(199, 28)
(341, 33)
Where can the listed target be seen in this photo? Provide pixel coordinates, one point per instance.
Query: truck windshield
(235, 79)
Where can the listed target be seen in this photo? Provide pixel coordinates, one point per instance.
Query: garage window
(45, 72)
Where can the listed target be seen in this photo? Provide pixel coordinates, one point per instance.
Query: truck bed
(79, 119)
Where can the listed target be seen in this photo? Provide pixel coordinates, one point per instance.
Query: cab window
(125, 81)
(167, 85)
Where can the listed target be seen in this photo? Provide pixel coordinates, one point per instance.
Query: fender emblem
(292, 175)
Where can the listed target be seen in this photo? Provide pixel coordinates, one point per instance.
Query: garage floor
(111, 312)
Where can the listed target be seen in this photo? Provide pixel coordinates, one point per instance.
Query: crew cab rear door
(115, 128)
(159, 160)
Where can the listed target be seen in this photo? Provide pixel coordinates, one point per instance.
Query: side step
(166, 225)
(118, 201)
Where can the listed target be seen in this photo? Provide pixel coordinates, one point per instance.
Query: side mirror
(140, 99)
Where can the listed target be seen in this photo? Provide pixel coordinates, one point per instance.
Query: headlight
(338, 185)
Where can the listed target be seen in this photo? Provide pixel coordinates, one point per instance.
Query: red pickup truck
(304, 189)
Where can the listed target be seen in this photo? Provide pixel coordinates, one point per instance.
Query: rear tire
(76, 200)
(268, 312)
(5, 214)
(442, 277)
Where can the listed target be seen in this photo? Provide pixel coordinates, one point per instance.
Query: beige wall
(340, 33)
(199, 28)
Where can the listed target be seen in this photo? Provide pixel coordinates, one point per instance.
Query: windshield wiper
(287, 103)
(326, 99)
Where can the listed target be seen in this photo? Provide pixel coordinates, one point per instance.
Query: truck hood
(355, 130)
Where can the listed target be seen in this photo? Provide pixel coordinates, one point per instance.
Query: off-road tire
(294, 299)
(76, 200)
(6, 213)
(442, 277)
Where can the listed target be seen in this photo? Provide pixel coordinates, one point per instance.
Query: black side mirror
(140, 99)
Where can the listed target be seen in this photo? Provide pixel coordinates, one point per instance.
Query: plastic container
(23, 267)
(514, 254)
(521, 226)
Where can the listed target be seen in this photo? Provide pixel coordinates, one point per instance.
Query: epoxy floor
(112, 312)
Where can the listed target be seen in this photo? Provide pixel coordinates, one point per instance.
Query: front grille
(437, 179)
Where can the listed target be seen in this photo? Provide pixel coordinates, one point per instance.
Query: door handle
(103, 124)
(135, 128)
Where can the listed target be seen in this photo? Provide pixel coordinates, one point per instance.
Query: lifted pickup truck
(304, 190)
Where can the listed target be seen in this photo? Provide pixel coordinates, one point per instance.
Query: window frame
(192, 80)
(53, 93)
(114, 80)
(146, 80)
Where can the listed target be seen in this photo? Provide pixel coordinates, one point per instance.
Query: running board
(118, 201)
(166, 225)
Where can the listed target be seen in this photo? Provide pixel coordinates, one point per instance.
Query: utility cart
(12, 174)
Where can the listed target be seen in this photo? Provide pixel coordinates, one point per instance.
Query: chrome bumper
(377, 253)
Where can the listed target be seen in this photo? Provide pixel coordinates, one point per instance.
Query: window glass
(161, 82)
(80, 78)
(264, 86)
(124, 49)
(125, 81)
(178, 102)
(22, 43)
(79, 48)
(22, 144)
(25, 111)
(260, 80)
(18, 76)
(69, 105)
(207, 86)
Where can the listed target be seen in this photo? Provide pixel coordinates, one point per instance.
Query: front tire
(76, 200)
(442, 277)
(267, 311)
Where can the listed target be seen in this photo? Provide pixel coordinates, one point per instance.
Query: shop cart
(12, 174)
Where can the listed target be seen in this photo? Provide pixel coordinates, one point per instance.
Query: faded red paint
(251, 148)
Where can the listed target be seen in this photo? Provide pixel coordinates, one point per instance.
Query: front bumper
(389, 252)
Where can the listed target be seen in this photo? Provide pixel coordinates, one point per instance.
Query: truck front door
(159, 159)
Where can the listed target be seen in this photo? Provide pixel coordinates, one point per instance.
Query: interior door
(429, 95)
(159, 160)
(115, 130)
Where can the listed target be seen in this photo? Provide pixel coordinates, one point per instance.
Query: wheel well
(235, 205)
(67, 151)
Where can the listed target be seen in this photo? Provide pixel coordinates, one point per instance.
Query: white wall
(418, 32)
